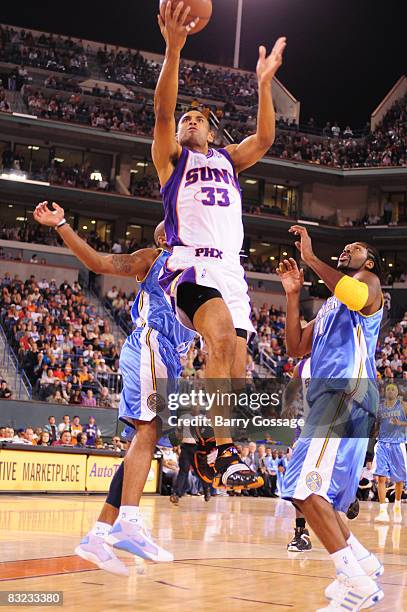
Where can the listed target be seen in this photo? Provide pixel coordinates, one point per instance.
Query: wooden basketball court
(230, 553)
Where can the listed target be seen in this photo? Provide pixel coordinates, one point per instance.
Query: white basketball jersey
(203, 203)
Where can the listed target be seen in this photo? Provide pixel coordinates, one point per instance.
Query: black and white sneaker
(353, 510)
(300, 542)
(232, 473)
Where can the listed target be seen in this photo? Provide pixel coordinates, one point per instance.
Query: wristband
(61, 223)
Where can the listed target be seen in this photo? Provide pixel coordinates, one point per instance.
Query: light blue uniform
(342, 398)
(390, 451)
(280, 475)
(150, 357)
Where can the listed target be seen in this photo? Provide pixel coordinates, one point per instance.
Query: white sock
(100, 529)
(358, 549)
(383, 507)
(129, 513)
(397, 504)
(346, 563)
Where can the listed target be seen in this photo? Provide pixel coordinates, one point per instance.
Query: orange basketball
(199, 8)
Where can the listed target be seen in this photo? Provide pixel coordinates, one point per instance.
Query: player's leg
(383, 516)
(184, 463)
(301, 540)
(319, 471)
(381, 471)
(399, 475)
(213, 321)
(397, 516)
(223, 466)
(144, 372)
(93, 547)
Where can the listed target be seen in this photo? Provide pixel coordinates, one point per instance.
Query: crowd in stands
(106, 115)
(66, 433)
(57, 53)
(330, 146)
(65, 348)
(391, 352)
(5, 392)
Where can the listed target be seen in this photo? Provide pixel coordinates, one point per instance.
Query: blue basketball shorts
(390, 460)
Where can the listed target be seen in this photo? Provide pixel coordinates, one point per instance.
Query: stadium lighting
(13, 176)
(238, 35)
(334, 258)
(93, 221)
(320, 281)
(252, 250)
(285, 253)
(250, 181)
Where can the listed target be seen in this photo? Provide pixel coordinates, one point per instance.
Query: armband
(61, 223)
(352, 292)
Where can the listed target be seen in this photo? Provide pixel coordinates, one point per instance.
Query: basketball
(199, 8)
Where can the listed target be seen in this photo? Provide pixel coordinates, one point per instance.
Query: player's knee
(222, 347)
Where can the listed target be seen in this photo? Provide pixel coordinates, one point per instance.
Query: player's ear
(369, 264)
(211, 137)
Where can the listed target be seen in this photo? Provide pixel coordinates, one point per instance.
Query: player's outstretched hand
(290, 275)
(267, 66)
(45, 216)
(305, 244)
(173, 27)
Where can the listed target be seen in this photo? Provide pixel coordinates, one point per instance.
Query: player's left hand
(305, 244)
(268, 66)
(45, 216)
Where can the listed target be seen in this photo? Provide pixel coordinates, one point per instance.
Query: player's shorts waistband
(184, 255)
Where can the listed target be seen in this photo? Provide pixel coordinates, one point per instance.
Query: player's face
(353, 257)
(391, 392)
(193, 130)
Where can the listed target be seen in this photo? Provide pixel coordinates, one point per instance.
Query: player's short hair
(373, 255)
(190, 110)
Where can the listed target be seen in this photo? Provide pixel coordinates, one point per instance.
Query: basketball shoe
(353, 510)
(370, 565)
(94, 549)
(355, 593)
(383, 516)
(300, 542)
(231, 472)
(135, 538)
(397, 516)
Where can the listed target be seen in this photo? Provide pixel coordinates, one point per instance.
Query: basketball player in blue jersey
(149, 357)
(203, 221)
(295, 405)
(390, 460)
(323, 474)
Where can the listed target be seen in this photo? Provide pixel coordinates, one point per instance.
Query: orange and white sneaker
(231, 472)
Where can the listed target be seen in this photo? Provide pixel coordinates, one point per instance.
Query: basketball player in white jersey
(203, 221)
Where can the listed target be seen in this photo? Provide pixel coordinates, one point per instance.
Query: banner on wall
(63, 472)
(101, 469)
(40, 471)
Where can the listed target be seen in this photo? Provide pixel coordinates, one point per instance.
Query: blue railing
(9, 361)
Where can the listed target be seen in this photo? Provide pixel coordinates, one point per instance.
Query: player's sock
(100, 529)
(129, 513)
(346, 563)
(300, 523)
(397, 504)
(357, 548)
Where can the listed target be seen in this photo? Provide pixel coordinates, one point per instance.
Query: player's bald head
(159, 235)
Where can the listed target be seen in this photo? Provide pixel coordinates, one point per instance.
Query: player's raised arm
(165, 149)
(298, 339)
(254, 147)
(358, 285)
(135, 265)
